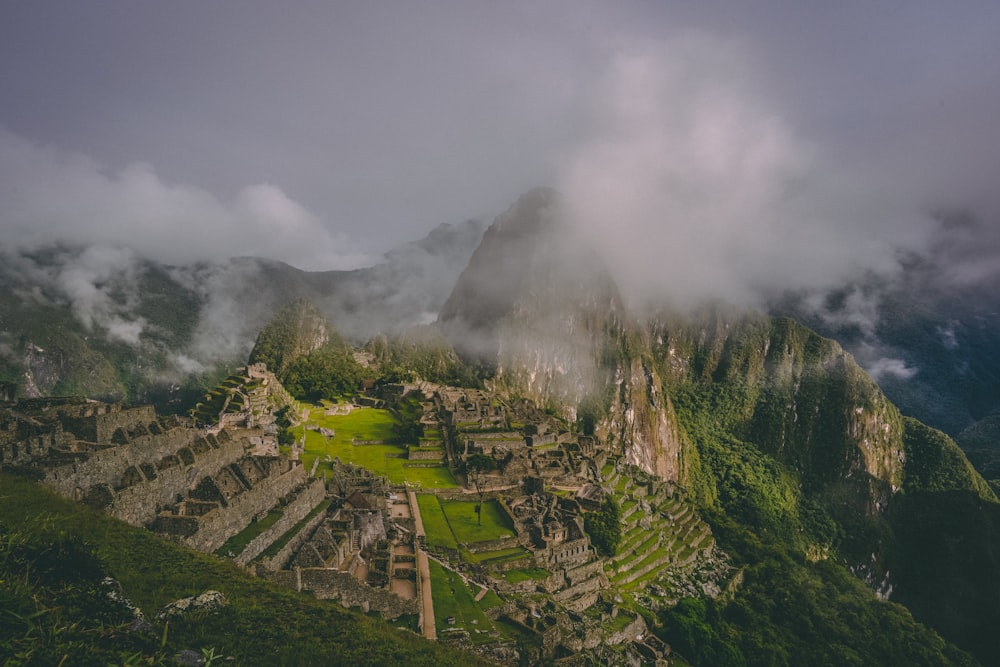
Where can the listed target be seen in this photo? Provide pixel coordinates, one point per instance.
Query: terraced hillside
(665, 548)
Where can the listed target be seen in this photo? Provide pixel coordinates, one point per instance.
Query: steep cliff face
(795, 395)
(642, 423)
(537, 304)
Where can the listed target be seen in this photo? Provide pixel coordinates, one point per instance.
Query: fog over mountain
(812, 160)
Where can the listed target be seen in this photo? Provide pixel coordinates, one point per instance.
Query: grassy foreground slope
(53, 610)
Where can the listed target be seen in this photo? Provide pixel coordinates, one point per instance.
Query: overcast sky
(323, 133)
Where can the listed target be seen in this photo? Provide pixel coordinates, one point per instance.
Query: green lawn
(238, 542)
(526, 574)
(466, 525)
(429, 477)
(366, 424)
(501, 556)
(453, 598)
(435, 524)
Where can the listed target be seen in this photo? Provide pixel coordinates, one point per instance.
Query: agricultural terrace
(366, 425)
(453, 599)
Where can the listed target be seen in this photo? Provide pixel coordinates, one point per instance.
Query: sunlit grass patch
(435, 524)
(466, 524)
(452, 598)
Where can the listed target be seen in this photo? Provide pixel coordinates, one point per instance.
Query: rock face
(642, 420)
(205, 602)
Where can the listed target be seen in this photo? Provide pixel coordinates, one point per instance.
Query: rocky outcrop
(642, 424)
(294, 332)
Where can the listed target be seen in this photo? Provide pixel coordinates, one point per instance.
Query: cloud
(880, 368)
(697, 186)
(54, 197)
(100, 284)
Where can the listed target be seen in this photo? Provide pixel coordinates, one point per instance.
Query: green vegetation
(935, 463)
(280, 543)
(429, 477)
(465, 522)
(307, 354)
(450, 522)
(421, 352)
(604, 527)
(791, 612)
(326, 373)
(768, 456)
(452, 598)
(55, 552)
(526, 574)
(367, 425)
(235, 545)
(948, 536)
(435, 524)
(496, 557)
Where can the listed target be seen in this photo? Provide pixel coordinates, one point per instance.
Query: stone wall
(583, 572)
(422, 454)
(567, 553)
(494, 545)
(17, 451)
(218, 525)
(303, 503)
(147, 474)
(327, 584)
(267, 566)
(100, 427)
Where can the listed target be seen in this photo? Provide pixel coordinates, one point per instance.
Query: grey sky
(323, 132)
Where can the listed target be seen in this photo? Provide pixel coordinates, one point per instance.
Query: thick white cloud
(50, 196)
(697, 187)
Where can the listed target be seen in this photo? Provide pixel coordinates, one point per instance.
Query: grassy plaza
(366, 425)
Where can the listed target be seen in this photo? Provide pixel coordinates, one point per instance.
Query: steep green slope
(790, 611)
(797, 444)
(307, 354)
(421, 352)
(53, 554)
(297, 330)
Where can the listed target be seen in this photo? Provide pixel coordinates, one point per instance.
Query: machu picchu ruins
(219, 481)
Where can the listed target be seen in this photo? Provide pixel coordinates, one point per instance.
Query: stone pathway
(424, 575)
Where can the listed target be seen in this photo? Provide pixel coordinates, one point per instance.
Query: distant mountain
(106, 323)
(931, 342)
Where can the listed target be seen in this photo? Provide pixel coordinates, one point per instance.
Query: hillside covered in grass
(54, 553)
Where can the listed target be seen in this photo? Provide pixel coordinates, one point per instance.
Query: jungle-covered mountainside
(945, 342)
